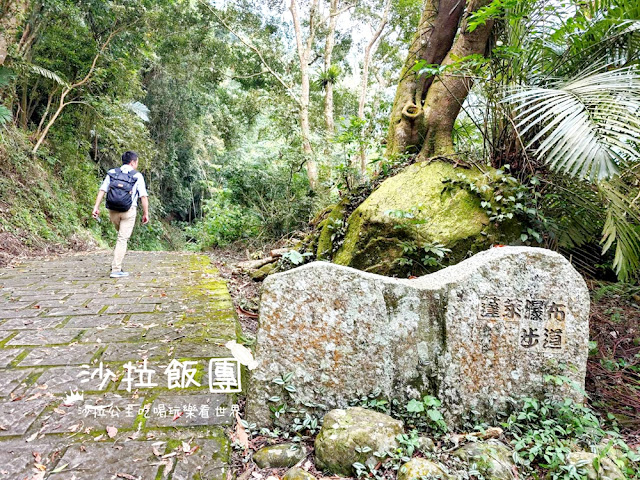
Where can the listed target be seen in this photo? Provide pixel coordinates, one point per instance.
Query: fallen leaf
(74, 428)
(186, 447)
(193, 450)
(241, 434)
(246, 313)
(127, 476)
(60, 468)
(169, 467)
(32, 437)
(247, 473)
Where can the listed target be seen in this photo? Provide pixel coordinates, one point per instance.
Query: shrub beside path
(66, 326)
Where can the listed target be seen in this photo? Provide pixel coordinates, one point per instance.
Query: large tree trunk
(422, 121)
(448, 92)
(425, 108)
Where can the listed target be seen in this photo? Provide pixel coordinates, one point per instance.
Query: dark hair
(128, 157)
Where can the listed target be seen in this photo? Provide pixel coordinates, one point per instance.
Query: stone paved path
(60, 320)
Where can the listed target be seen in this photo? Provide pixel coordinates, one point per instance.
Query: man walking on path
(123, 186)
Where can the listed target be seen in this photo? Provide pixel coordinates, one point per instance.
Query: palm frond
(587, 127)
(576, 210)
(140, 109)
(6, 76)
(621, 228)
(46, 73)
(5, 115)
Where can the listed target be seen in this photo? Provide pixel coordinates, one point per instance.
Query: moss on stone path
(61, 320)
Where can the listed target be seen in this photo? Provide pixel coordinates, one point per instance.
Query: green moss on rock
(263, 272)
(279, 456)
(345, 433)
(327, 228)
(296, 473)
(454, 219)
(416, 468)
(492, 458)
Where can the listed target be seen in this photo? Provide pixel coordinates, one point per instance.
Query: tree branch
(68, 89)
(254, 49)
(95, 59)
(340, 12)
(257, 74)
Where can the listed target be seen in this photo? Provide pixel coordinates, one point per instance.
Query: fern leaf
(43, 72)
(5, 115)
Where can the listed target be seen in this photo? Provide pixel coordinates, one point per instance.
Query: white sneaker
(119, 274)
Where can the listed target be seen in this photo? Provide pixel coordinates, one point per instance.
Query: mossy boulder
(352, 436)
(331, 229)
(373, 240)
(426, 444)
(584, 462)
(492, 458)
(609, 448)
(297, 473)
(279, 456)
(263, 272)
(416, 468)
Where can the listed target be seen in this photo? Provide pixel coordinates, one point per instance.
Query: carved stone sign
(475, 335)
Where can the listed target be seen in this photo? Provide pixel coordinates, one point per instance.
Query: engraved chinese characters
(541, 322)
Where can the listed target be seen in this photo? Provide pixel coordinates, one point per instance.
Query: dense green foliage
(209, 95)
(562, 98)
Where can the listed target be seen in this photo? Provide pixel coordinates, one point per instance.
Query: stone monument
(476, 334)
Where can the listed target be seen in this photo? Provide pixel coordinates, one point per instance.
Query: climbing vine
(504, 198)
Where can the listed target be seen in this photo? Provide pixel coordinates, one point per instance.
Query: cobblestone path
(65, 325)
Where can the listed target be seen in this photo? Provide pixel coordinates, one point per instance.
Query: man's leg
(115, 219)
(125, 227)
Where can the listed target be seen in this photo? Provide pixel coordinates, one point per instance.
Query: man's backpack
(120, 194)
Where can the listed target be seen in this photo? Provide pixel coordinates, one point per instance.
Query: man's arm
(101, 193)
(96, 207)
(144, 198)
(145, 209)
